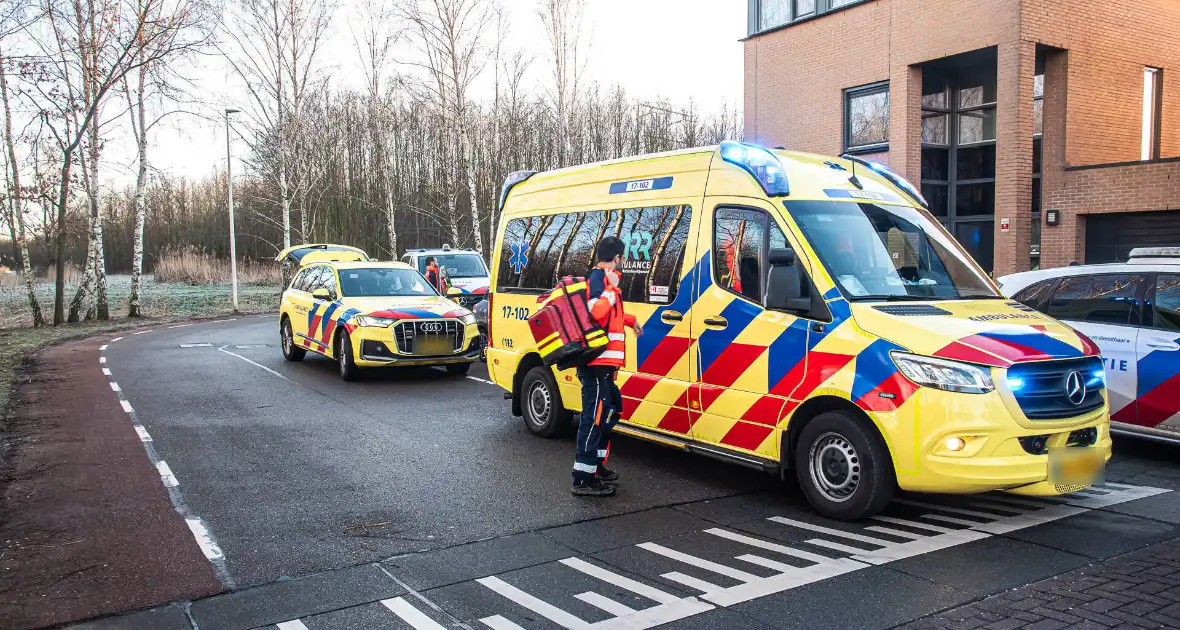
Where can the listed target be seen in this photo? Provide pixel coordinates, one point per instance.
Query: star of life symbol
(520, 256)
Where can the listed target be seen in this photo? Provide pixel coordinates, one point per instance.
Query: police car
(464, 269)
(1132, 312)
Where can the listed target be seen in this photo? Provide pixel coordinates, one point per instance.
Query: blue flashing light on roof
(512, 180)
(759, 162)
(894, 178)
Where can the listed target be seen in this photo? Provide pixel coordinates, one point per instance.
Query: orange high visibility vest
(607, 309)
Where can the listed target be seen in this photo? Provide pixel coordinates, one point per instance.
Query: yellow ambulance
(800, 313)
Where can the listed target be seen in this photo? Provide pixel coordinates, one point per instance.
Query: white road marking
(496, 622)
(294, 624)
(769, 546)
(143, 434)
(832, 532)
(106, 371)
(919, 547)
(182, 326)
(481, 380)
(889, 531)
(204, 540)
(951, 519)
(411, 615)
(945, 508)
(234, 354)
(170, 479)
(142, 332)
(115, 339)
(610, 577)
(102, 347)
(603, 602)
(701, 563)
(126, 406)
(1011, 505)
(250, 346)
(691, 582)
(818, 542)
(102, 359)
(915, 524)
(196, 345)
(115, 386)
(781, 567)
(222, 321)
(541, 607)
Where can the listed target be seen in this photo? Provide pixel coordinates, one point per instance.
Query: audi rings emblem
(1075, 388)
(431, 327)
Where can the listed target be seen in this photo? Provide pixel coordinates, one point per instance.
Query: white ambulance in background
(1132, 311)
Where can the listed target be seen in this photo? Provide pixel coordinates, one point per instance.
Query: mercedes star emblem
(1075, 388)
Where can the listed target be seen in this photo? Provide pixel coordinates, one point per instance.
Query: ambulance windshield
(383, 282)
(887, 252)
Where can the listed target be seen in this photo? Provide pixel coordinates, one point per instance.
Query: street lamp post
(233, 247)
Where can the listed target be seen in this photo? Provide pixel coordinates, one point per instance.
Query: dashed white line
(102, 347)
(115, 387)
(204, 540)
(102, 359)
(234, 354)
(143, 434)
(411, 615)
(196, 345)
(481, 380)
(294, 624)
(126, 406)
(115, 339)
(106, 371)
(142, 332)
(166, 475)
(179, 326)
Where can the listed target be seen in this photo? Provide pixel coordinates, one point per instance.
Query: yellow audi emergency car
(374, 314)
(801, 313)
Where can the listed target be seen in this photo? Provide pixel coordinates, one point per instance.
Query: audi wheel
(291, 352)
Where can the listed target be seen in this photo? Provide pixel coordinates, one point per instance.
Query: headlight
(468, 319)
(369, 320)
(950, 376)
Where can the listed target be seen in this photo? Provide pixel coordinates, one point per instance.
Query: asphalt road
(415, 498)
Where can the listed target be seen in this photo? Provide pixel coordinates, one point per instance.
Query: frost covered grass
(158, 300)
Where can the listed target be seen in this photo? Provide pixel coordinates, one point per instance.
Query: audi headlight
(376, 322)
(467, 319)
(951, 376)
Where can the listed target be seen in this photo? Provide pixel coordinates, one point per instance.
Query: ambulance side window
(739, 244)
(655, 239)
(517, 257)
(300, 283)
(316, 279)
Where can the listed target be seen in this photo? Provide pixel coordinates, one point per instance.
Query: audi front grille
(414, 335)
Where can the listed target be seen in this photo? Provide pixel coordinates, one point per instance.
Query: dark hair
(430, 259)
(610, 247)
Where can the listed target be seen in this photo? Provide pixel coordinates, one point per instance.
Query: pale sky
(678, 49)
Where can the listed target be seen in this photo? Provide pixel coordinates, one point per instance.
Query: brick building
(1042, 132)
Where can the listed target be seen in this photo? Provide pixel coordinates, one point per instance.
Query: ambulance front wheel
(843, 467)
(540, 402)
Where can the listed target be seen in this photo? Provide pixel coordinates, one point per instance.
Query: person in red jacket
(601, 400)
(434, 276)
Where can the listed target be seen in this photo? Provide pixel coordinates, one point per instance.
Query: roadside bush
(194, 266)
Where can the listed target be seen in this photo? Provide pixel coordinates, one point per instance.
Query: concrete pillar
(1015, 69)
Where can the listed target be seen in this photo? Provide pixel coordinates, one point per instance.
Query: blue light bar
(759, 162)
(1098, 377)
(1015, 384)
(512, 180)
(894, 178)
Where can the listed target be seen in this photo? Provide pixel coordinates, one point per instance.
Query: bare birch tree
(450, 36)
(562, 20)
(377, 36)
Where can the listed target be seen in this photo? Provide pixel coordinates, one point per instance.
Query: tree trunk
(285, 196)
(85, 289)
(140, 202)
(472, 188)
(20, 242)
(59, 295)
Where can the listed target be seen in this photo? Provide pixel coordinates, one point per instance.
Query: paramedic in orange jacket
(434, 276)
(601, 400)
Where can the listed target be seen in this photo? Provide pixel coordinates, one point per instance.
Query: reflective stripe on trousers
(601, 405)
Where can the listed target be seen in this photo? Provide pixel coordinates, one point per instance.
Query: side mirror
(787, 289)
(322, 294)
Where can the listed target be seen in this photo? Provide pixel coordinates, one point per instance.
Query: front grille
(1041, 388)
(413, 335)
(469, 301)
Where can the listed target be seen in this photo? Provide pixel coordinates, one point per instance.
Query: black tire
(483, 345)
(458, 369)
(540, 404)
(348, 369)
(844, 467)
(291, 352)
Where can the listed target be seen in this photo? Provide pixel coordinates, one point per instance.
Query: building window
(1034, 253)
(1151, 113)
(768, 14)
(773, 13)
(866, 118)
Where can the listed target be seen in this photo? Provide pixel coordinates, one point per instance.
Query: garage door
(1111, 237)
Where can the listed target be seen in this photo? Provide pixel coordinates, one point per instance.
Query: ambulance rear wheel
(844, 467)
(540, 401)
